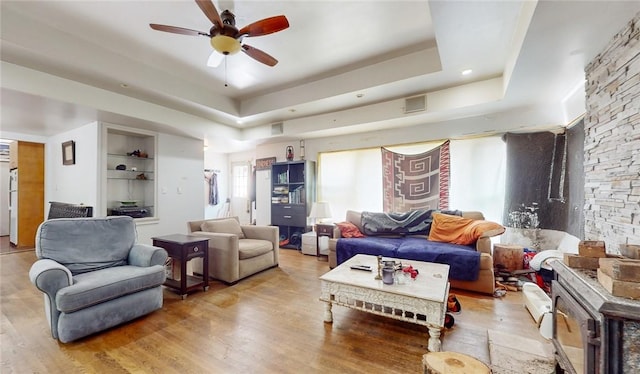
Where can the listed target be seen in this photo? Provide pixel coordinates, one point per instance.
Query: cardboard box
(619, 288)
(581, 262)
(630, 251)
(591, 248)
(621, 269)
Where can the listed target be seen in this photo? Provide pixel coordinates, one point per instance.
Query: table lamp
(319, 211)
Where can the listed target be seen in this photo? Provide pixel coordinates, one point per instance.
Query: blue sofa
(471, 267)
(94, 275)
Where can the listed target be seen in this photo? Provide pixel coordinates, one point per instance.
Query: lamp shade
(225, 44)
(320, 210)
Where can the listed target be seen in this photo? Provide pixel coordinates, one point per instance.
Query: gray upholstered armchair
(236, 251)
(93, 274)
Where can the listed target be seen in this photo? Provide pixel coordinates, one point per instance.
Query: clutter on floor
(538, 303)
(453, 307)
(512, 268)
(517, 354)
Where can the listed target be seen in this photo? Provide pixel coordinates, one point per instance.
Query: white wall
(74, 184)
(24, 137)
(216, 161)
(180, 187)
(180, 174)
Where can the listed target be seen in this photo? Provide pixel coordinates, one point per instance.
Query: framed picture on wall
(265, 163)
(69, 153)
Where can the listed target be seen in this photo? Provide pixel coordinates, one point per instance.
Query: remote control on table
(361, 267)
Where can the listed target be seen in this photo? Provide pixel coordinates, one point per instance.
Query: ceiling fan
(225, 38)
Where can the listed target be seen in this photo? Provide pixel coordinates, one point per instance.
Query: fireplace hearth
(594, 332)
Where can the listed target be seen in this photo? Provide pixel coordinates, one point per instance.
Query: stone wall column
(612, 141)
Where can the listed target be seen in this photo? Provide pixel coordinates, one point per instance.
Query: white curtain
(352, 180)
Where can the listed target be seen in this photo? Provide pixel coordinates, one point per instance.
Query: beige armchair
(236, 251)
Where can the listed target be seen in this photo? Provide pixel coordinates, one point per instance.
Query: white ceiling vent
(415, 104)
(276, 128)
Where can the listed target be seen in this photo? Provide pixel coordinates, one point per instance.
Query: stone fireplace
(612, 141)
(593, 331)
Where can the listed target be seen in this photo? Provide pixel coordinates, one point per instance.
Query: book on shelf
(297, 196)
(280, 200)
(281, 190)
(283, 178)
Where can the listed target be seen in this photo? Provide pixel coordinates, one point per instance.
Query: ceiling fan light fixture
(225, 38)
(225, 44)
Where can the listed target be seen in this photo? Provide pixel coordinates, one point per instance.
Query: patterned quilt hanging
(416, 181)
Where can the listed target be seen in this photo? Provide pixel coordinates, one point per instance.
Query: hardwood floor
(6, 247)
(268, 323)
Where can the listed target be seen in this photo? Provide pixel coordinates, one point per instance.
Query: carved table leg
(328, 316)
(435, 345)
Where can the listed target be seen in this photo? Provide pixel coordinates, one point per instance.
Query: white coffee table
(422, 301)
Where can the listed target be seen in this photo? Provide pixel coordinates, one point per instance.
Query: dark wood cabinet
(184, 248)
(293, 192)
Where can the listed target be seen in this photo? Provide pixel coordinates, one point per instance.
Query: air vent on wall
(276, 128)
(415, 104)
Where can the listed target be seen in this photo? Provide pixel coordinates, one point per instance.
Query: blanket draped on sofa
(415, 222)
(464, 261)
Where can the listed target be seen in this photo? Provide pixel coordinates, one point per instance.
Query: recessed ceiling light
(467, 71)
(292, 110)
(124, 85)
(360, 95)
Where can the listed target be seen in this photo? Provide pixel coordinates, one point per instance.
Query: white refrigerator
(13, 206)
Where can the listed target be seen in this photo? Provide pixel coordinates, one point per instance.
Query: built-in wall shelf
(130, 172)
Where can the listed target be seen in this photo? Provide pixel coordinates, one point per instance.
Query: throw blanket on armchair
(415, 222)
(464, 261)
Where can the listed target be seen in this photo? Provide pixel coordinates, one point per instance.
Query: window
(240, 174)
(353, 179)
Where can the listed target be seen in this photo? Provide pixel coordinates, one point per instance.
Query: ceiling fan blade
(177, 30)
(210, 11)
(259, 55)
(215, 58)
(265, 26)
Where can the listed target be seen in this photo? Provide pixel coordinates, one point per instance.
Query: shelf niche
(130, 173)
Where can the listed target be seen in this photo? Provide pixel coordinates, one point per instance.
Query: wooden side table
(323, 229)
(184, 248)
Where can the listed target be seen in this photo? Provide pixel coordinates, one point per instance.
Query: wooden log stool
(508, 257)
(452, 363)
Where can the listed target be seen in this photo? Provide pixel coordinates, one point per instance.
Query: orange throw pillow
(459, 230)
(349, 230)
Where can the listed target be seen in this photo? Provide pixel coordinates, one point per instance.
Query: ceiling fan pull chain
(225, 71)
